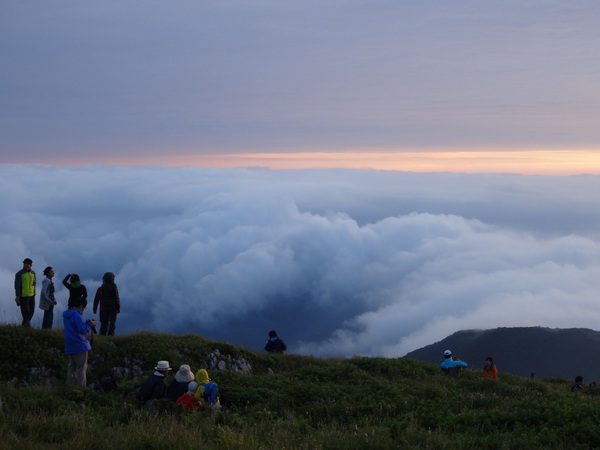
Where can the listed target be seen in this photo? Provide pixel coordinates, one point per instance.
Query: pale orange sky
(460, 87)
(523, 162)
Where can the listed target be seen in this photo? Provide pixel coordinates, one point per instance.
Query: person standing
(107, 297)
(77, 345)
(275, 344)
(451, 366)
(489, 369)
(47, 300)
(76, 290)
(25, 291)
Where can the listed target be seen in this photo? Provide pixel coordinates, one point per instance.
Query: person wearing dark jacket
(76, 342)
(107, 298)
(25, 291)
(275, 344)
(155, 387)
(76, 290)
(179, 385)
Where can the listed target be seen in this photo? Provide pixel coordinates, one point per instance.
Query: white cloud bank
(339, 262)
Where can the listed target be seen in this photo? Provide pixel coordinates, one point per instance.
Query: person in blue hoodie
(76, 342)
(451, 366)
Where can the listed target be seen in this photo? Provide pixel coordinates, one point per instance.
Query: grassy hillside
(287, 402)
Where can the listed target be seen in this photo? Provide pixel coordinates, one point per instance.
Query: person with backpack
(207, 390)
(76, 290)
(107, 298)
(275, 344)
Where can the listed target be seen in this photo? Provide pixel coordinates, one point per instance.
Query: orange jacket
(491, 373)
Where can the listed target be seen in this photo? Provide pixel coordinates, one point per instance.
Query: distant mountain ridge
(545, 352)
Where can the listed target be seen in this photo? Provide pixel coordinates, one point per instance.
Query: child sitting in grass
(188, 400)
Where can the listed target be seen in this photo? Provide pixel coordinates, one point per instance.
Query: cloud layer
(339, 262)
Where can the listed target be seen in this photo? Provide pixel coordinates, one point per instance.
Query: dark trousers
(27, 310)
(48, 318)
(107, 322)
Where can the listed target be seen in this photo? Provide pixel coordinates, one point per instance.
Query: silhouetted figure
(47, 300)
(578, 385)
(107, 297)
(76, 290)
(275, 344)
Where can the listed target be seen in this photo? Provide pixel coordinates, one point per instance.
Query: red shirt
(188, 400)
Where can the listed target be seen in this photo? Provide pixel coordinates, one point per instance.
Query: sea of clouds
(339, 262)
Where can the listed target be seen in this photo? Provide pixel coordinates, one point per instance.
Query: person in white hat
(451, 365)
(179, 385)
(155, 387)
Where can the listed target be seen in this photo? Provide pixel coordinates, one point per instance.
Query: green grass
(290, 401)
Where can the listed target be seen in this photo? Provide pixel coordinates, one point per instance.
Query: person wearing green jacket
(25, 291)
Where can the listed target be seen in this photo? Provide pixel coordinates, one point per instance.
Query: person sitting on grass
(207, 391)
(188, 400)
(179, 385)
(155, 387)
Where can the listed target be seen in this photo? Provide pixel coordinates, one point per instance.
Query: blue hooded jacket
(76, 332)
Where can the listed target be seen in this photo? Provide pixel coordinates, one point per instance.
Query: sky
(462, 86)
(340, 262)
(365, 177)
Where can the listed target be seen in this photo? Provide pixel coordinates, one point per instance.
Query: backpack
(210, 392)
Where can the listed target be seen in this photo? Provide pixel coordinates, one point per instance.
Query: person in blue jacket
(451, 366)
(76, 342)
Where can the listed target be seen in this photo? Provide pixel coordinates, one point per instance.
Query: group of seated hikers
(193, 392)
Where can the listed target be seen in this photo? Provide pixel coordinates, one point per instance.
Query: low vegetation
(289, 401)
